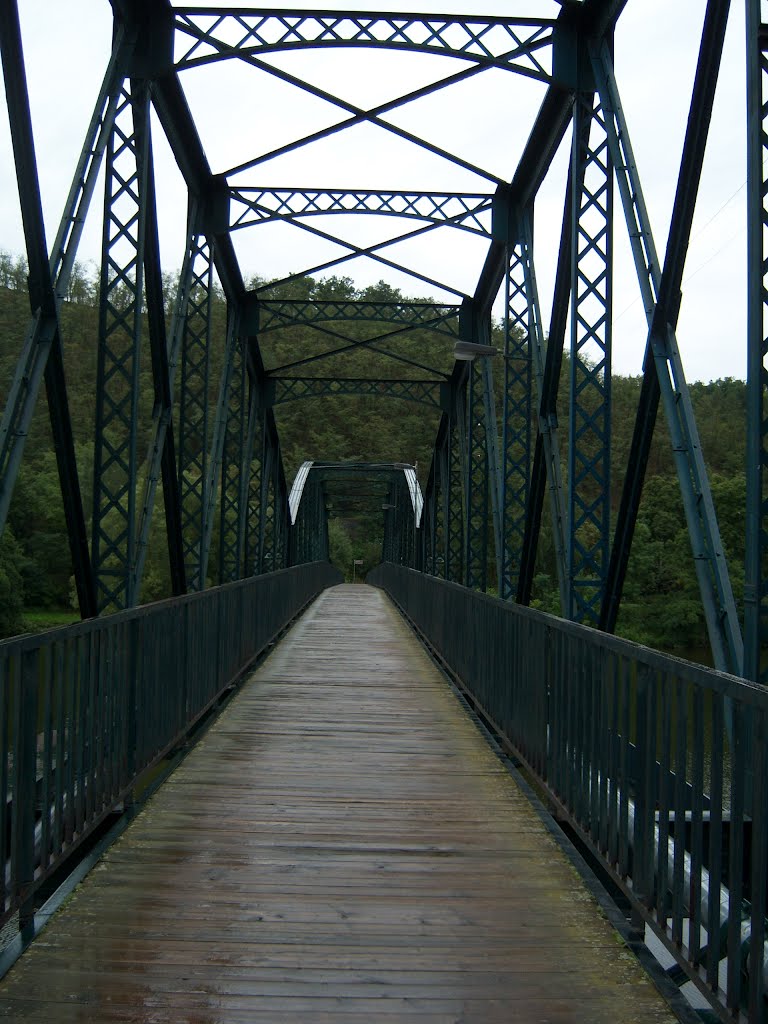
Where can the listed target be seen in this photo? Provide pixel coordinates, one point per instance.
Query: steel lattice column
(516, 416)
(590, 392)
(281, 517)
(267, 545)
(234, 469)
(454, 504)
(254, 526)
(193, 405)
(663, 374)
(756, 578)
(476, 482)
(259, 508)
(432, 526)
(114, 546)
(223, 408)
(441, 460)
(48, 281)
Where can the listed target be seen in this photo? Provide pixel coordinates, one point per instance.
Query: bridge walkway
(343, 846)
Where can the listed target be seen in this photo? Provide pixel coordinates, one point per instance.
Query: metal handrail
(638, 750)
(87, 709)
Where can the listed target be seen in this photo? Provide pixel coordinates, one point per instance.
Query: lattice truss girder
(292, 389)
(119, 351)
(249, 206)
(276, 313)
(590, 364)
(522, 45)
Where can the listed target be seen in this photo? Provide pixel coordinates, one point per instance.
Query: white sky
(242, 113)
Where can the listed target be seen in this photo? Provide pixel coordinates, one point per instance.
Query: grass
(36, 620)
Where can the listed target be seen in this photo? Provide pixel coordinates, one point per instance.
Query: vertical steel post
(755, 583)
(193, 406)
(476, 483)
(664, 377)
(516, 417)
(590, 387)
(455, 497)
(255, 454)
(114, 535)
(546, 358)
(211, 492)
(233, 468)
(165, 360)
(43, 338)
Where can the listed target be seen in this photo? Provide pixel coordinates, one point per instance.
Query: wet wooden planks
(342, 846)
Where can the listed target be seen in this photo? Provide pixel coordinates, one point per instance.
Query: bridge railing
(658, 764)
(87, 709)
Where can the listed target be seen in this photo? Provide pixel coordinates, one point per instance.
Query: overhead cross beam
(522, 45)
(292, 389)
(456, 209)
(273, 314)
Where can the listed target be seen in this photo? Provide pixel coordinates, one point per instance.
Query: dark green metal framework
(353, 488)
(214, 444)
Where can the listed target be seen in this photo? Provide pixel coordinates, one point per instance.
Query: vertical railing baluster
(46, 756)
(681, 761)
(60, 727)
(697, 825)
(665, 801)
(624, 754)
(5, 752)
(736, 857)
(25, 695)
(759, 859)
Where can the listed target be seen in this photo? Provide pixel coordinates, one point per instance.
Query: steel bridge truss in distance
(214, 451)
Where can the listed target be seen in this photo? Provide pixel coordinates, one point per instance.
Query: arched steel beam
(461, 210)
(520, 45)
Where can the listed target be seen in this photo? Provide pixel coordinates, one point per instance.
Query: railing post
(645, 767)
(134, 636)
(24, 798)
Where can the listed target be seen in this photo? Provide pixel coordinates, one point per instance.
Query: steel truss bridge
(499, 469)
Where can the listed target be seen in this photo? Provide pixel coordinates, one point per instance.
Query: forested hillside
(661, 605)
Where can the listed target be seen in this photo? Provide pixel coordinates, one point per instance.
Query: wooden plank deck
(341, 846)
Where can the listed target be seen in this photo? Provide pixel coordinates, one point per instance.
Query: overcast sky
(242, 113)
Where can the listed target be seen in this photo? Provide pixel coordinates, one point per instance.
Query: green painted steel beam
(522, 45)
(464, 210)
(272, 314)
(589, 447)
(293, 389)
(121, 303)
